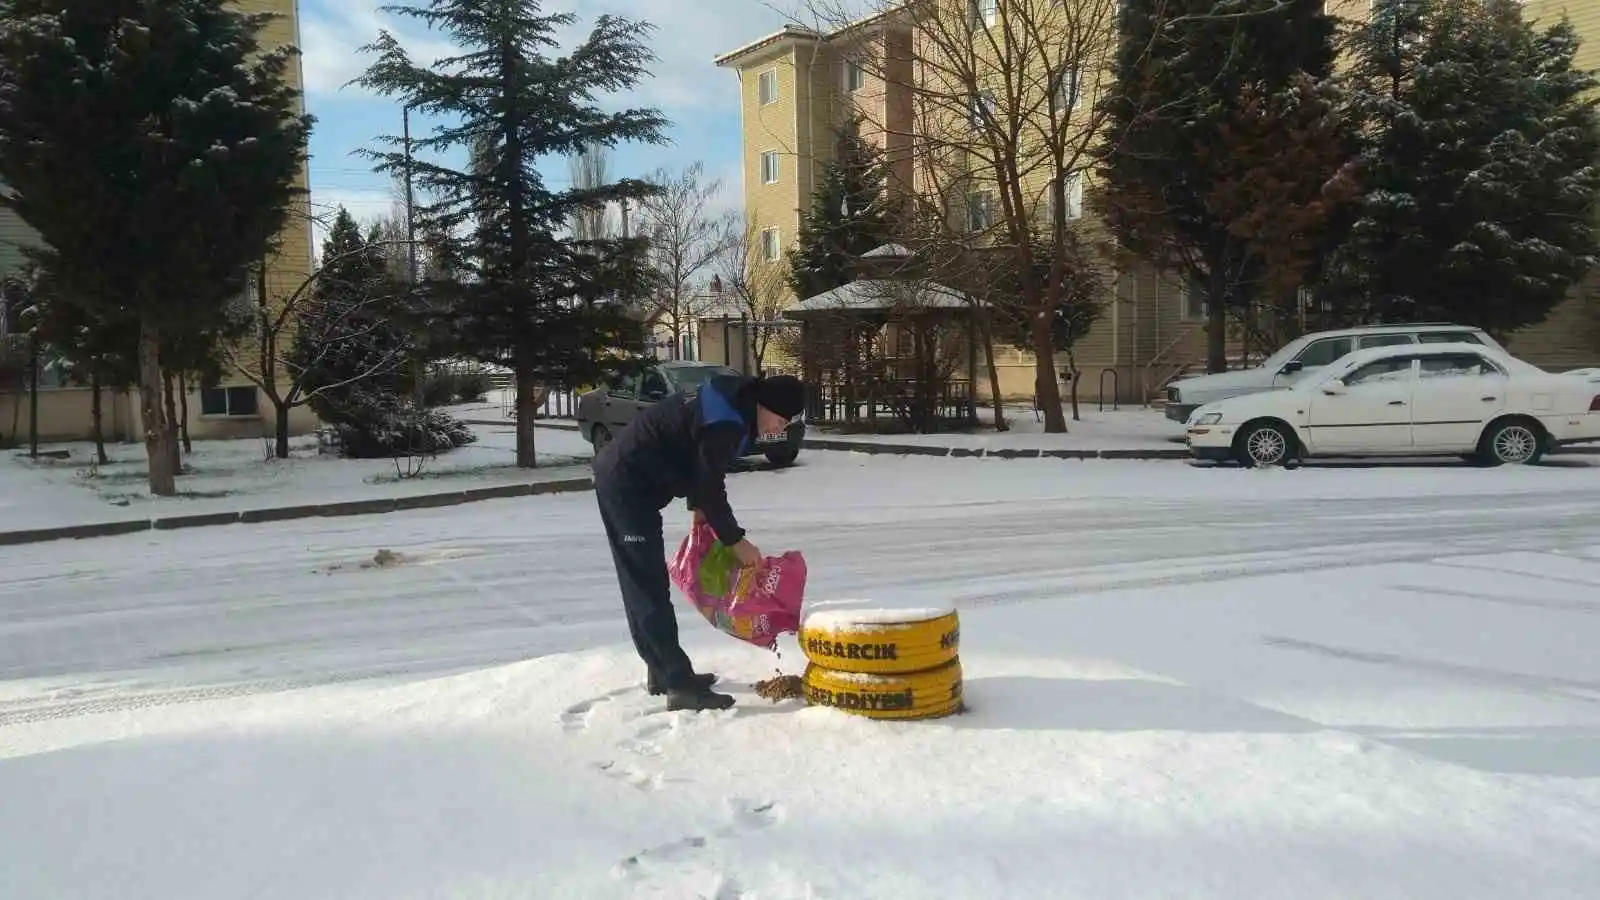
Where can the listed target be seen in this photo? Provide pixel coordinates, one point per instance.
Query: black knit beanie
(782, 394)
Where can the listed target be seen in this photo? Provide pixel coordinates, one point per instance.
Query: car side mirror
(1291, 367)
(1335, 387)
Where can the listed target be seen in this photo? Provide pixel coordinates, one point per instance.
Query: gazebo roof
(888, 251)
(868, 295)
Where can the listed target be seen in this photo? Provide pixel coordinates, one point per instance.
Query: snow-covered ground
(1336, 682)
(241, 474)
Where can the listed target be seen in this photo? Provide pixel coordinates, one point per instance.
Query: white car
(1306, 355)
(1463, 399)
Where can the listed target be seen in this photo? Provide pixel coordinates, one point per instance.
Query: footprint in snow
(644, 741)
(676, 851)
(754, 815)
(728, 889)
(632, 776)
(576, 716)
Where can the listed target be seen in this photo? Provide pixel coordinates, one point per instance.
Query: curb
(916, 449)
(512, 423)
(979, 452)
(289, 513)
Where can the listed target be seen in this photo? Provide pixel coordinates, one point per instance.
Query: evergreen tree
(1479, 164)
(155, 148)
(849, 216)
(551, 306)
(347, 358)
(1218, 123)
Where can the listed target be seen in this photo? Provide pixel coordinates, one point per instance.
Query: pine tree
(849, 216)
(155, 147)
(347, 358)
(550, 306)
(1192, 86)
(1479, 167)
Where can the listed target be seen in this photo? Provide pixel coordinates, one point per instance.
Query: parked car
(1306, 355)
(608, 409)
(1464, 399)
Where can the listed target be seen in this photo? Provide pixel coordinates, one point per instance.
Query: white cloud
(366, 205)
(333, 31)
(688, 35)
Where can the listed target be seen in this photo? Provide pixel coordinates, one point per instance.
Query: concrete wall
(66, 414)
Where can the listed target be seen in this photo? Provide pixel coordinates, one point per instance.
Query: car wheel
(599, 436)
(1264, 444)
(1515, 442)
(782, 456)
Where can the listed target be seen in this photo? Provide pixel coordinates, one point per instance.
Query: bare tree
(394, 233)
(758, 287)
(943, 259)
(323, 317)
(687, 236)
(996, 123)
(590, 168)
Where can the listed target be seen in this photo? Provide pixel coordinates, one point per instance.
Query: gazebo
(897, 349)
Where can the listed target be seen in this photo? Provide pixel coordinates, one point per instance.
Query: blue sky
(699, 98)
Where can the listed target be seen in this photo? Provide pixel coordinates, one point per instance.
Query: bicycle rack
(1115, 392)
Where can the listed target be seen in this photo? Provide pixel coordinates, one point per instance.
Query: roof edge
(784, 35)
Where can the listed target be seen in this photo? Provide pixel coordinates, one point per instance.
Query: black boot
(696, 699)
(702, 681)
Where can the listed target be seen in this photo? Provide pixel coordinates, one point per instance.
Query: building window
(769, 244)
(230, 401)
(855, 77)
(982, 109)
(767, 86)
(769, 167)
(984, 12)
(1074, 198)
(1067, 94)
(980, 211)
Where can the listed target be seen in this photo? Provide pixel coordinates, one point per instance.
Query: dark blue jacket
(682, 446)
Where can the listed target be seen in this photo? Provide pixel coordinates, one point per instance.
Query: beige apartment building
(235, 407)
(797, 83)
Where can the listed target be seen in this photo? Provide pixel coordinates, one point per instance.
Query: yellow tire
(881, 641)
(916, 695)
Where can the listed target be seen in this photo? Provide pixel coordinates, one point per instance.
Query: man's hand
(748, 554)
(699, 517)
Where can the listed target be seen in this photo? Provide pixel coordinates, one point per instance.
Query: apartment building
(796, 83)
(234, 407)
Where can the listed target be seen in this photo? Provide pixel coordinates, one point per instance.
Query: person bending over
(681, 446)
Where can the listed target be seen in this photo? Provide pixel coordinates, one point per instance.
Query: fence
(836, 402)
(560, 404)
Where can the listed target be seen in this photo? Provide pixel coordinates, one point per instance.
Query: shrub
(471, 387)
(439, 389)
(377, 426)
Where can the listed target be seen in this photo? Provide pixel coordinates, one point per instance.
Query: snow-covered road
(264, 606)
(1339, 681)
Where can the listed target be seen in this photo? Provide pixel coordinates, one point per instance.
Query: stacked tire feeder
(884, 663)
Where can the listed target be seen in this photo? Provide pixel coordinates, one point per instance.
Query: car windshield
(1285, 353)
(694, 376)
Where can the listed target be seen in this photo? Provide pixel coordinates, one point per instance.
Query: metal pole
(421, 376)
(33, 394)
(411, 218)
